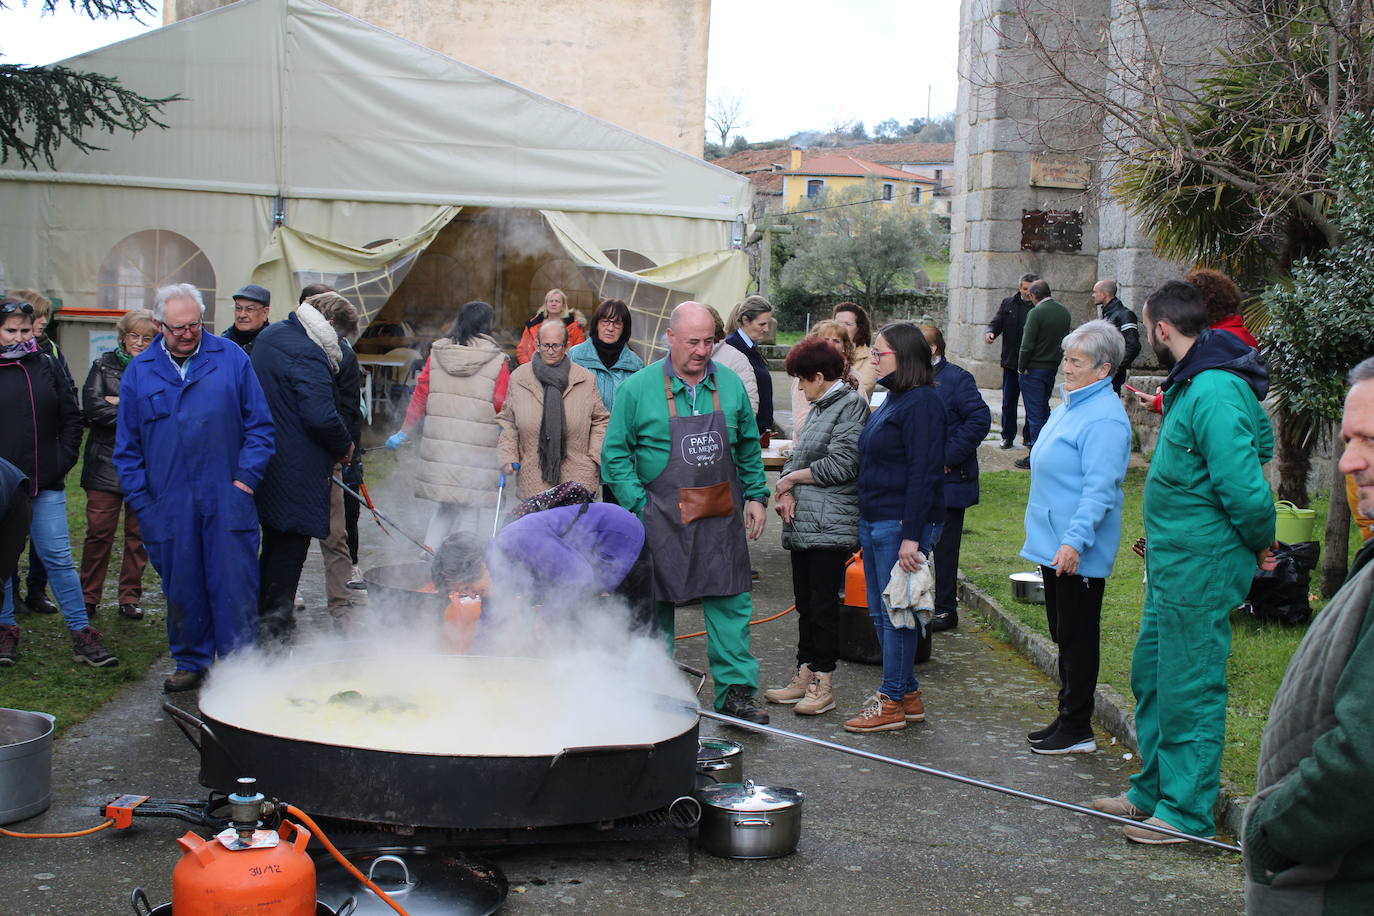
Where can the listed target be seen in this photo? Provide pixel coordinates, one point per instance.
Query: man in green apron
(682, 453)
(1209, 518)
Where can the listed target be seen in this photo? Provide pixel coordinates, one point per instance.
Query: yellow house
(825, 175)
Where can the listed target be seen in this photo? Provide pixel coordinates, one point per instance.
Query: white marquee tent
(312, 146)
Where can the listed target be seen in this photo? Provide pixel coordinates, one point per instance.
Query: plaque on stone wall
(1051, 230)
(1053, 170)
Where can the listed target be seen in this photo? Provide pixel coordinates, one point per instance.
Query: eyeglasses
(140, 338)
(178, 329)
(248, 309)
(13, 307)
(552, 347)
(612, 322)
(879, 354)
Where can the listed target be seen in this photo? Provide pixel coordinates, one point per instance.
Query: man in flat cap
(251, 307)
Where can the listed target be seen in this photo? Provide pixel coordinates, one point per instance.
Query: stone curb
(1111, 710)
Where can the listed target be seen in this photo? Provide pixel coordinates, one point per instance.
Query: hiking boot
(356, 580)
(131, 612)
(1119, 805)
(1022, 463)
(1061, 742)
(181, 679)
(913, 709)
(819, 697)
(741, 703)
(1040, 734)
(9, 645)
(945, 620)
(880, 715)
(40, 604)
(795, 689)
(86, 648)
(1141, 833)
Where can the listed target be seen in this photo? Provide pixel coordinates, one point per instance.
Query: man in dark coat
(296, 361)
(252, 307)
(1009, 321)
(1112, 309)
(967, 423)
(192, 441)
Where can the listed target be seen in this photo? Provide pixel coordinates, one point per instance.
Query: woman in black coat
(751, 321)
(100, 404)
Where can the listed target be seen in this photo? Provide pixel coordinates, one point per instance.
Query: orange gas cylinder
(855, 588)
(265, 874)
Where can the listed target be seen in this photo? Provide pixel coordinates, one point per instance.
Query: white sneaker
(355, 579)
(299, 603)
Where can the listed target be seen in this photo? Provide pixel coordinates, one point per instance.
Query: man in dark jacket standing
(967, 423)
(1109, 307)
(296, 361)
(192, 441)
(1038, 359)
(1009, 321)
(252, 306)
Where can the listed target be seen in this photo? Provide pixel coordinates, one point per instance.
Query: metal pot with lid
(425, 881)
(748, 821)
(719, 760)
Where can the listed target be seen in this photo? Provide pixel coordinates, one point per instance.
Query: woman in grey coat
(818, 499)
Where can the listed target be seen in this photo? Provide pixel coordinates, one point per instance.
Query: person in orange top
(555, 308)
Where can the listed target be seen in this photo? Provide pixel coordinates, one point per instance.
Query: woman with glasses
(554, 421)
(607, 355)
(104, 499)
(901, 510)
(555, 309)
(41, 435)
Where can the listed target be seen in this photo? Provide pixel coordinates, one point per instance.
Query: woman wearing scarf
(553, 420)
(104, 499)
(607, 355)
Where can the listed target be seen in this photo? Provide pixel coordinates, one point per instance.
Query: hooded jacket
(459, 460)
(41, 434)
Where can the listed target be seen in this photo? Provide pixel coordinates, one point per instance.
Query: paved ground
(875, 838)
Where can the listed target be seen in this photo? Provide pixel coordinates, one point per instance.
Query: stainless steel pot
(1028, 587)
(25, 764)
(424, 881)
(748, 821)
(719, 760)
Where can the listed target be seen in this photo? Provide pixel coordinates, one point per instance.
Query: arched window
(141, 263)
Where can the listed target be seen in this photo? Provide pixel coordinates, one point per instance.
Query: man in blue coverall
(193, 440)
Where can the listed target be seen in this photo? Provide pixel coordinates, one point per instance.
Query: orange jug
(855, 587)
(266, 874)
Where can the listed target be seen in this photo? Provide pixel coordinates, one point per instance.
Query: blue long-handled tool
(501, 492)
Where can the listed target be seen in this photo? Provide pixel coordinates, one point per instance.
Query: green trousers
(727, 640)
(1178, 675)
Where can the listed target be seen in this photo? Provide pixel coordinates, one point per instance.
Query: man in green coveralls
(1209, 518)
(682, 453)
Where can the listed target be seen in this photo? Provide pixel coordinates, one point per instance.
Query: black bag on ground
(1281, 593)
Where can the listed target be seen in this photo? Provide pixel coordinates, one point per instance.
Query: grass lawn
(1259, 653)
(937, 270)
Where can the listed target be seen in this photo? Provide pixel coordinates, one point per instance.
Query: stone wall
(637, 63)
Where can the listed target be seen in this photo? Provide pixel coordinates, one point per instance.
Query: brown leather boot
(912, 708)
(880, 715)
(819, 697)
(795, 689)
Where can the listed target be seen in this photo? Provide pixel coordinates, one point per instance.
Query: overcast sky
(795, 64)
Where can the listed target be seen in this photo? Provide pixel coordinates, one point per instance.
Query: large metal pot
(748, 821)
(404, 586)
(719, 760)
(424, 881)
(25, 764)
(1028, 587)
(571, 785)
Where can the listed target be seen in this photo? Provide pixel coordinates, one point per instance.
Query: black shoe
(1022, 463)
(1061, 742)
(131, 612)
(39, 604)
(1040, 734)
(945, 620)
(1008, 443)
(183, 680)
(741, 703)
(91, 609)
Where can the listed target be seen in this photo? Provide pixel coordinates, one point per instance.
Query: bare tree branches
(725, 114)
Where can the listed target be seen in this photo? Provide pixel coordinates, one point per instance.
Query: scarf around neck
(609, 353)
(553, 445)
(322, 332)
(21, 349)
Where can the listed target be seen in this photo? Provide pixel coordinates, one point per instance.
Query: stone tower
(640, 64)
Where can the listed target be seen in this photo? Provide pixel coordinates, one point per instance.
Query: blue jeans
(1011, 393)
(1036, 385)
(880, 542)
(48, 533)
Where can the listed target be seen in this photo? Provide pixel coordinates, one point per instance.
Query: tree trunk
(1295, 462)
(1337, 547)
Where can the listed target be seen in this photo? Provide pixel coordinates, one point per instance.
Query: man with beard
(1309, 831)
(1209, 516)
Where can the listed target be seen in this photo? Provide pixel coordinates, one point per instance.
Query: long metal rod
(966, 780)
(377, 513)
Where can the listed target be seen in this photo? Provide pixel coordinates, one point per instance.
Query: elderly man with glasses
(192, 442)
(252, 307)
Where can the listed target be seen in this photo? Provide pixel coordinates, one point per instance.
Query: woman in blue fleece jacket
(901, 508)
(1073, 522)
